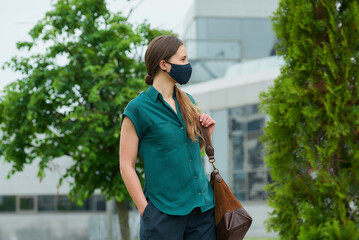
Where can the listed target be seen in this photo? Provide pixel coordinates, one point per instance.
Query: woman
(160, 124)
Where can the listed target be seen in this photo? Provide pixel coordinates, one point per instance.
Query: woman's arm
(128, 155)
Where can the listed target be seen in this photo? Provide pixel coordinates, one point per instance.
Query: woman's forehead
(181, 52)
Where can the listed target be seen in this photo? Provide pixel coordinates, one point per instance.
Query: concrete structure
(34, 210)
(219, 34)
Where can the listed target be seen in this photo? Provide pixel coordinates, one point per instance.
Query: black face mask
(180, 73)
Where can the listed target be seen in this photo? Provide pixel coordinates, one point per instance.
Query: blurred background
(230, 45)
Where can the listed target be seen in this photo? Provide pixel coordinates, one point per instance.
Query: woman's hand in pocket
(142, 209)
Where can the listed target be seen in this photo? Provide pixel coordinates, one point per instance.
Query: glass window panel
(46, 203)
(27, 203)
(251, 109)
(237, 120)
(256, 124)
(256, 182)
(237, 111)
(237, 125)
(246, 127)
(238, 152)
(254, 31)
(218, 50)
(7, 203)
(100, 203)
(97, 203)
(92, 203)
(65, 204)
(240, 186)
(204, 70)
(224, 28)
(255, 149)
(202, 28)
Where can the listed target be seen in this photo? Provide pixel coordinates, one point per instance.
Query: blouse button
(181, 127)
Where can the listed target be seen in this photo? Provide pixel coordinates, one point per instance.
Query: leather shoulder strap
(207, 141)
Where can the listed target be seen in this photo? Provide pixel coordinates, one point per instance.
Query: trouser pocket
(144, 214)
(147, 221)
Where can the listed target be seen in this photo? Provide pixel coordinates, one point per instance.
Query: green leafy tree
(312, 138)
(73, 108)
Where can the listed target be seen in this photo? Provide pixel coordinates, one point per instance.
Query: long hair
(163, 48)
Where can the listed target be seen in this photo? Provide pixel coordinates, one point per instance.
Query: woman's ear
(162, 65)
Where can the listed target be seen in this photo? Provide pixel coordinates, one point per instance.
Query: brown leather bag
(232, 221)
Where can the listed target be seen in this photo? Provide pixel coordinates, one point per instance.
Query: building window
(64, 203)
(94, 203)
(100, 202)
(26, 203)
(50, 203)
(46, 203)
(7, 203)
(249, 174)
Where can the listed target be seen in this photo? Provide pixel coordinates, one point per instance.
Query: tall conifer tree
(312, 138)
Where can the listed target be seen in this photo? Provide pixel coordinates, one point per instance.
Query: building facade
(219, 34)
(31, 209)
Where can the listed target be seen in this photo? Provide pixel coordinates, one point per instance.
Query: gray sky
(17, 17)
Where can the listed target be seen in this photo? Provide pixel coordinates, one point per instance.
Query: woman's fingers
(206, 120)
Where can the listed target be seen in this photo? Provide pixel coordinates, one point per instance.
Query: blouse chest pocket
(165, 135)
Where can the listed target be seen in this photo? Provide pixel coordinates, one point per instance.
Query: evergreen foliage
(312, 137)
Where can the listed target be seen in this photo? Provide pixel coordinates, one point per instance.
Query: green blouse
(175, 180)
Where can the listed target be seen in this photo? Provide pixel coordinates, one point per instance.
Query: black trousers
(197, 225)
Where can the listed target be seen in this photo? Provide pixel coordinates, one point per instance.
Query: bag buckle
(212, 160)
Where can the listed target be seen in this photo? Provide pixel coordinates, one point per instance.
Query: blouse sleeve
(131, 111)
